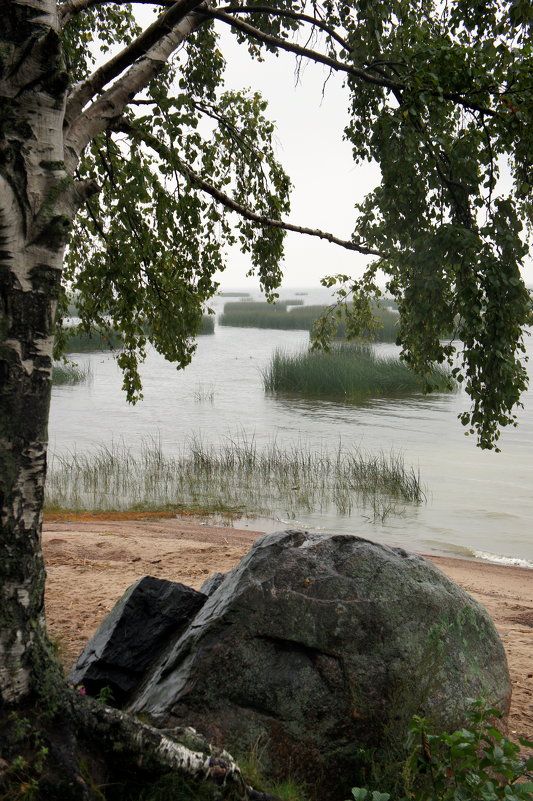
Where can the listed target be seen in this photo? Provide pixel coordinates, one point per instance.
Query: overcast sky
(326, 181)
(310, 146)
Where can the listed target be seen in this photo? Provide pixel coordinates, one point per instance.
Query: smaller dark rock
(212, 584)
(134, 635)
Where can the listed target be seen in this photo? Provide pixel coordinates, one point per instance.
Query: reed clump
(207, 325)
(93, 341)
(266, 315)
(349, 372)
(301, 318)
(235, 476)
(68, 373)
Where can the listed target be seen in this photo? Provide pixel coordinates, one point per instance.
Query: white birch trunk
(36, 206)
(38, 199)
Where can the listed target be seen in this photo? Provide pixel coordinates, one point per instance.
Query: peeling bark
(36, 207)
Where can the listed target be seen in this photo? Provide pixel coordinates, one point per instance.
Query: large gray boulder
(150, 614)
(317, 649)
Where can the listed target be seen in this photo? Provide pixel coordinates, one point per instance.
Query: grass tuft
(69, 373)
(236, 476)
(350, 372)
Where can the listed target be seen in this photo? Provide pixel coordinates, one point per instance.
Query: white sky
(310, 145)
(326, 181)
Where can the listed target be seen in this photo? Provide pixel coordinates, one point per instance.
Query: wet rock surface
(318, 649)
(150, 614)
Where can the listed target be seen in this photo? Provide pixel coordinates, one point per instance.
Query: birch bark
(36, 207)
(38, 200)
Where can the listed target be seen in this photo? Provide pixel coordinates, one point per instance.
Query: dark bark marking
(47, 280)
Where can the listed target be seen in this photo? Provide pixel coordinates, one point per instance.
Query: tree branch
(70, 8)
(163, 26)
(306, 52)
(86, 90)
(181, 750)
(339, 66)
(111, 104)
(283, 12)
(125, 126)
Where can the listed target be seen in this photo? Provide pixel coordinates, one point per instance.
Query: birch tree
(123, 180)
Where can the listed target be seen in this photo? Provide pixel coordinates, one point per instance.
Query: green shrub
(474, 764)
(348, 371)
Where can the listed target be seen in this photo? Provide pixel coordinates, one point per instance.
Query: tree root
(85, 751)
(153, 751)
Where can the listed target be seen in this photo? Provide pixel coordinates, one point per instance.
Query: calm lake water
(478, 503)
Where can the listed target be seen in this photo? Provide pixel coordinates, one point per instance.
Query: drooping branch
(125, 126)
(163, 26)
(291, 47)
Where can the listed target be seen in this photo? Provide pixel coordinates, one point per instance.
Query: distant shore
(92, 559)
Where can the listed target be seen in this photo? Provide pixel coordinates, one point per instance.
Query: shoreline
(217, 520)
(91, 562)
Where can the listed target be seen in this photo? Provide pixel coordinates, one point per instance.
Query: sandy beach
(91, 562)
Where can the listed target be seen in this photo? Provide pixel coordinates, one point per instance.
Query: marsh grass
(85, 342)
(265, 315)
(245, 305)
(385, 331)
(90, 342)
(69, 373)
(207, 325)
(236, 475)
(204, 394)
(349, 371)
(300, 318)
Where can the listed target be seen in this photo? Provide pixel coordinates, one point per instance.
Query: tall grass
(236, 475)
(265, 315)
(68, 373)
(300, 318)
(207, 325)
(89, 342)
(84, 342)
(348, 371)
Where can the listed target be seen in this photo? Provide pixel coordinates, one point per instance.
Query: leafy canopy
(440, 97)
